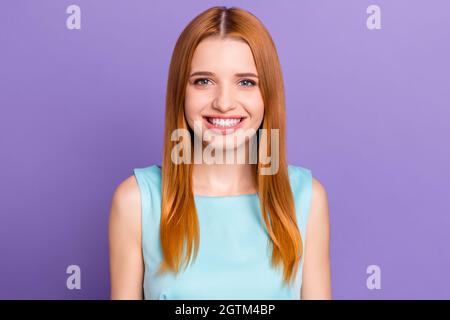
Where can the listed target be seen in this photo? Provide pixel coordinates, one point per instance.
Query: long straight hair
(179, 227)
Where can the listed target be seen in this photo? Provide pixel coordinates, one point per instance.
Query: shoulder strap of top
(301, 185)
(149, 182)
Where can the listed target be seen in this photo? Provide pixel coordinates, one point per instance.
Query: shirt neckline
(227, 196)
(220, 197)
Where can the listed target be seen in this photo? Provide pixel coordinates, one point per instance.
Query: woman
(198, 227)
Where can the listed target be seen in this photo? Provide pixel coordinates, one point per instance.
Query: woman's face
(222, 93)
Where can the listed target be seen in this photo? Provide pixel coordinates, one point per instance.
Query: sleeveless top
(234, 257)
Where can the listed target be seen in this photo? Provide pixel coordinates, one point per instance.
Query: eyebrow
(207, 73)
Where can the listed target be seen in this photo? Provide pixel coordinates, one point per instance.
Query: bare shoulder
(319, 220)
(127, 192)
(126, 204)
(126, 261)
(316, 270)
(319, 201)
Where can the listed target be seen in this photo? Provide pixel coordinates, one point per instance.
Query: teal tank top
(234, 258)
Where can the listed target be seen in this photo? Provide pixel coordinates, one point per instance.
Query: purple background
(368, 113)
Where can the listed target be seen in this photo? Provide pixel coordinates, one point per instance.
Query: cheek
(257, 107)
(260, 110)
(194, 102)
(190, 107)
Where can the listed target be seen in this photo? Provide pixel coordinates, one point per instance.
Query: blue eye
(200, 81)
(204, 82)
(250, 83)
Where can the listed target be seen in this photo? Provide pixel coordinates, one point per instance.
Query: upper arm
(126, 262)
(316, 279)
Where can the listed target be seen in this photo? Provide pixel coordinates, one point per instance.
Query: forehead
(227, 55)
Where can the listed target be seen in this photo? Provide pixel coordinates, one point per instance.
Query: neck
(224, 179)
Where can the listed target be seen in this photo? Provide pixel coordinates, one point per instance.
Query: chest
(233, 261)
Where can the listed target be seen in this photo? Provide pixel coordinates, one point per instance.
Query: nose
(224, 99)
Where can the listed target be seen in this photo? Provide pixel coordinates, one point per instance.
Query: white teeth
(223, 122)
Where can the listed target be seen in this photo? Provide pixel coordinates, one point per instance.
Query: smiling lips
(224, 124)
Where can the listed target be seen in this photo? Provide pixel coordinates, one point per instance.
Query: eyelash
(252, 82)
